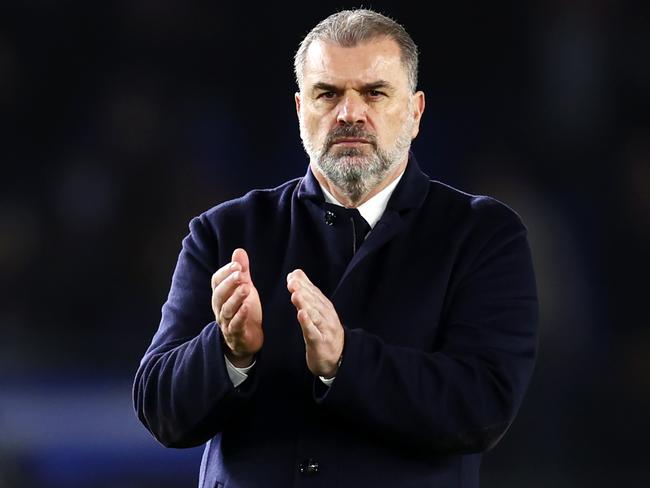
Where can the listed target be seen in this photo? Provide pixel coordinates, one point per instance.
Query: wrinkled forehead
(367, 62)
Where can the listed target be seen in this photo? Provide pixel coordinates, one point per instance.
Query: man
(360, 326)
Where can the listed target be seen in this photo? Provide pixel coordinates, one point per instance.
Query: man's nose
(352, 110)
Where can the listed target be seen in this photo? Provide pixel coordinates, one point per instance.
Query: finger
(298, 274)
(236, 327)
(223, 273)
(240, 256)
(316, 317)
(313, 288)
(232, 304)
(303, 277)
(310, 332)
(318, 296)
(298, 279)
(302, 298)
(306, 296)
(293, 282)
(224, 291)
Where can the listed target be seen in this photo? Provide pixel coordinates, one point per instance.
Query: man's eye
(375, 93)
(327, 95)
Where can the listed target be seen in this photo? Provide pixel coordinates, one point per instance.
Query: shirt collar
(372, 209)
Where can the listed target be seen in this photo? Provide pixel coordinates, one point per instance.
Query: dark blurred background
(119, 121)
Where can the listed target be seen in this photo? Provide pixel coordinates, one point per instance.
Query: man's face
(357, 113)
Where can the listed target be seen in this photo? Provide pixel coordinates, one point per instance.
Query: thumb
(240, 256)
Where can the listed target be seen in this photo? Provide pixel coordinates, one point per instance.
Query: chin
(352, 155)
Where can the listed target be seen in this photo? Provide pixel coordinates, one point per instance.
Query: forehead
(377, 59)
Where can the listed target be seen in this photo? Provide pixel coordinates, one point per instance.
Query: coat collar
(409, 193)
(411, 190)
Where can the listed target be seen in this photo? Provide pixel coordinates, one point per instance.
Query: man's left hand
(321, 327)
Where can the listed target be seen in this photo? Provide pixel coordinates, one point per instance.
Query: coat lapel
(409, 194)
(390, 224)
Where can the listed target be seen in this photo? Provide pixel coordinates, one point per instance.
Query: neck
(344, 198)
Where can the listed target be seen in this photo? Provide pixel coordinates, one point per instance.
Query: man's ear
(418, 110)
(296, 97)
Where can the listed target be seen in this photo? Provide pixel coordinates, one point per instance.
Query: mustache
(349, 131)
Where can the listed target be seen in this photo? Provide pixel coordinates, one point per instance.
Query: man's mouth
(351, 140)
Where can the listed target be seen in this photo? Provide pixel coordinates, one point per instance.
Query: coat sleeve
(462, 396)
(182, 392)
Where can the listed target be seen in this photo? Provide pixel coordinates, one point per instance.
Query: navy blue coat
(439, 307)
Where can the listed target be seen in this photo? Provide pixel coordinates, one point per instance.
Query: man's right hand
(237, 309)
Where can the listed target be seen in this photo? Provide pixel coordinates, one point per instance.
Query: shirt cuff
(327, 381)
(237, 375)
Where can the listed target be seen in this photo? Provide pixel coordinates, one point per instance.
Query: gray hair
(349, 28)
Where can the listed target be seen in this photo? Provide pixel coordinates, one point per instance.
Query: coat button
(330, 217)
(309, 466)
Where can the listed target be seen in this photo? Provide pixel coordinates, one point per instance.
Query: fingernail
(235, 276)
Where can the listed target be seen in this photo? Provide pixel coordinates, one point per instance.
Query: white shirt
(371, 210)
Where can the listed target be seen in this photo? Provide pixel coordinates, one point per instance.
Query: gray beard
(356, 172)
(353, 172)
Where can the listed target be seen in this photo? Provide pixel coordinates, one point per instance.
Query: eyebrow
(364, 88)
